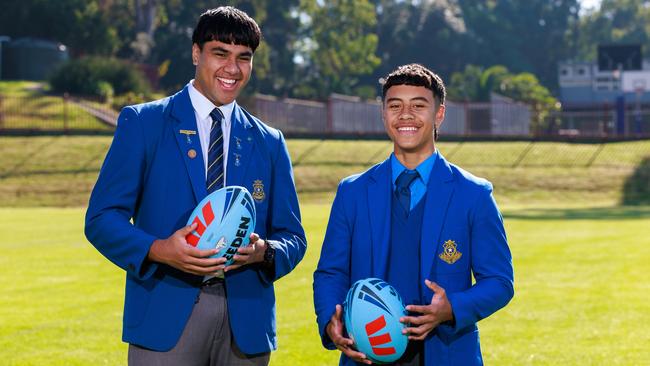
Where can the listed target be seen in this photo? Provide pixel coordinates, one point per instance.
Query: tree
(340, 46)
(616, 21)
(465, 86)
(173, 40)
(476, 85)
(525, 36)
(431, 33)
(82, 25)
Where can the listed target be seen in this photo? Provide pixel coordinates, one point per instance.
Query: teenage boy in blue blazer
(181, 307)
(422, 224)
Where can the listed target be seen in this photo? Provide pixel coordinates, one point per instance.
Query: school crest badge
(450, 253)
(258, 191)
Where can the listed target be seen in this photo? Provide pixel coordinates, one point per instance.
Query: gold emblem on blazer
(258, 191)
(187, 134)
(450, 253)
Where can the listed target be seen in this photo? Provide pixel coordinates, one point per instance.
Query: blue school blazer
(151, 180)
(460, 215)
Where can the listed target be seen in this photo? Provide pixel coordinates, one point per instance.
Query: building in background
(30, 58)
(608, 97)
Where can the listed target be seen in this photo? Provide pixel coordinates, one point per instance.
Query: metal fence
(54, 114)
(345, 116)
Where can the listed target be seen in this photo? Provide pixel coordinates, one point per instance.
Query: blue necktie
(403, 189)
(215, 153)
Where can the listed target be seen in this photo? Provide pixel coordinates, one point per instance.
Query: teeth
(407, 129)
(227, 81)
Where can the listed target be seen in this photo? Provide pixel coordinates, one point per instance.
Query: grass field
(60, 170)
(581, 292)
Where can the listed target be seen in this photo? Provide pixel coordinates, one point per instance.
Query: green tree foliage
(281, 29)
(431, 33)
(465, 86)
(476, 85)
(91, 75)
(84, 26)
(315, 47)
(525, 36)
(173, 40)
(616, 21)
(340, 47)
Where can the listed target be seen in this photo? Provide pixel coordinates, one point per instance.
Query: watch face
(269, 254)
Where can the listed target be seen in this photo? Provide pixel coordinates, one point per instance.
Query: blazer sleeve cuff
(141, 267)
(460, 306)
(325, 338)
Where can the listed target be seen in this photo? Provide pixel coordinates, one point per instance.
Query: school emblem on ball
(258, 191)
(450, 253)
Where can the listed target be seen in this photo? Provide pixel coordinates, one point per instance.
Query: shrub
(105, 91)
(86, 76)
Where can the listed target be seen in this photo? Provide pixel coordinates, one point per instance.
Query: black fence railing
(51, 113)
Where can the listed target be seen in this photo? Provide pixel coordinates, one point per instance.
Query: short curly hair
(416, 75)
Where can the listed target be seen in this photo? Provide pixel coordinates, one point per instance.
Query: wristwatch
(269, 256)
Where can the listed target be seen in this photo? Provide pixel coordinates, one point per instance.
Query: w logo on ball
(208, 216)
(374, 327)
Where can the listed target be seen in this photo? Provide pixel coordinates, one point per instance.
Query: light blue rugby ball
(225, 219)
(372, 310)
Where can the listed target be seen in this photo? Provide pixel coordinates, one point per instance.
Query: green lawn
(24, 105)
(581, 291)
(60, 170)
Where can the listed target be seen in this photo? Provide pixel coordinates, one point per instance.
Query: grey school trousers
(206, 340)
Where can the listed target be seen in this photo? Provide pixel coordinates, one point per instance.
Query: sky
(589, 3)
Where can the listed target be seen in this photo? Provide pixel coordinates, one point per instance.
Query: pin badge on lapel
(191, 153)
(237, 143)
(187, 134)
(450, 253)
(258, 190)
(237, 159)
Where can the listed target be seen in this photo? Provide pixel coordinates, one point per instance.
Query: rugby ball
(372, 310)
(225, 219)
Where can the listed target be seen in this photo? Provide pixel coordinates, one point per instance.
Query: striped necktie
(215, 153)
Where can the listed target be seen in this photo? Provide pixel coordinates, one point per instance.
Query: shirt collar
(424, 169)
(203, 106)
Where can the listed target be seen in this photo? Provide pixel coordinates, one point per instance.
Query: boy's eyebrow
(221, 49)
(393, 99)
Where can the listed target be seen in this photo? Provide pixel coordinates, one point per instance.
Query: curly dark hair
(416, 75)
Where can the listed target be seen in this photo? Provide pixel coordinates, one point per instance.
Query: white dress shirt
(202, 108)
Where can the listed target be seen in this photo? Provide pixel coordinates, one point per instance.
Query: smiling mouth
(407, 129)
(227, 83)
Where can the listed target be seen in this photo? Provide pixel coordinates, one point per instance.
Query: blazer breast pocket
(453, 259)
(453, 250)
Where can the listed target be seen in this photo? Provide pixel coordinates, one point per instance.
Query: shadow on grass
(636, 190)
(592, 213)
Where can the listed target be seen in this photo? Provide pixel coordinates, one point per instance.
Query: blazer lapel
(187, 139)
(379, 211)
(240, 147)
(439, 192)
